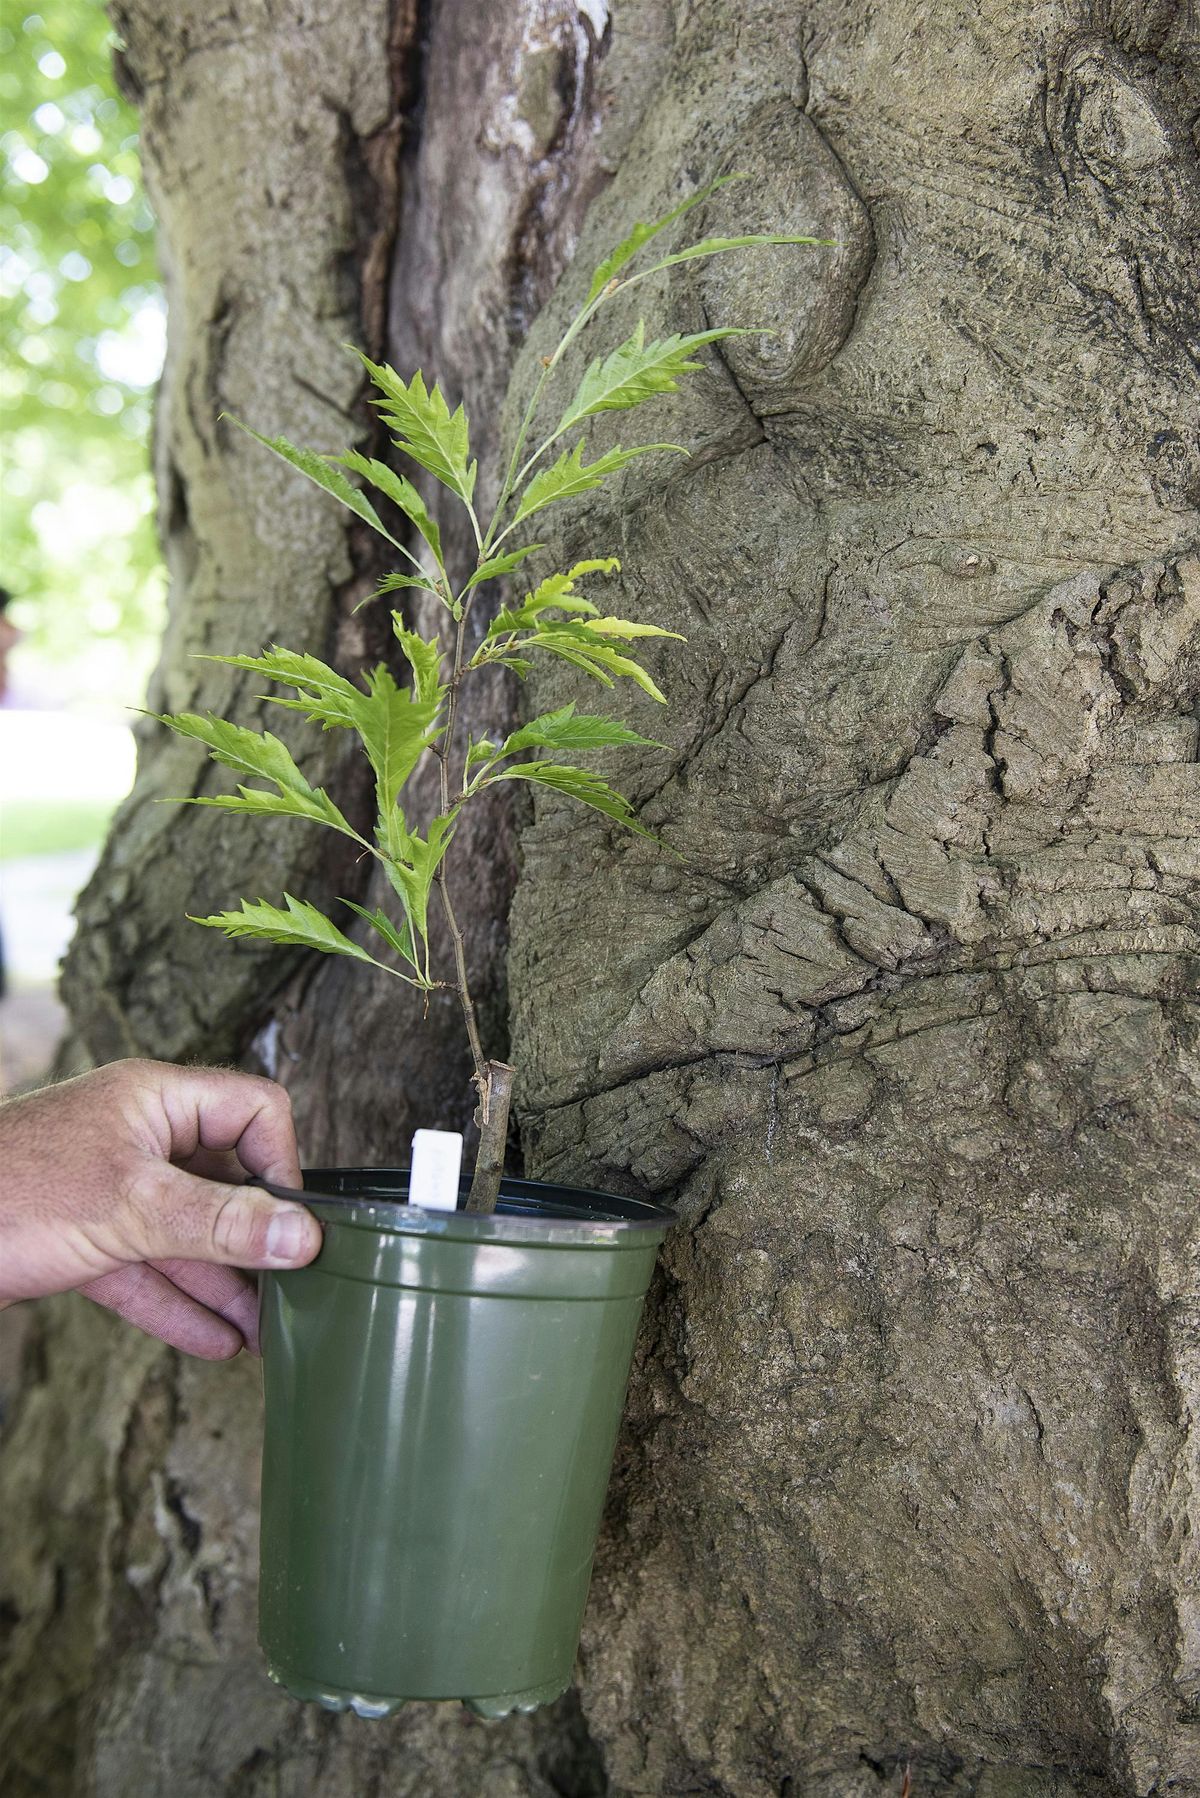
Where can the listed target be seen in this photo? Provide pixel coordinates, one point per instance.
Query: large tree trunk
(908, 1029)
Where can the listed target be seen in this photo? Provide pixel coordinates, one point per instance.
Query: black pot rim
(360, 1197)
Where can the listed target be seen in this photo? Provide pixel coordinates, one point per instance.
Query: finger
(145, 1297)
(221, 1289)
(213, 1164)
(175, 1215)
(216, 1108)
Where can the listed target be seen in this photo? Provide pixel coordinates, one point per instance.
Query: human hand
(125, 1184)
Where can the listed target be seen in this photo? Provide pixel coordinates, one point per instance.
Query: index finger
(217, 1108)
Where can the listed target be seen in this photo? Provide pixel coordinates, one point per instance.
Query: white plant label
(436, 1166)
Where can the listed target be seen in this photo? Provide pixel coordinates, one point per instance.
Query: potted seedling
(444, 1386)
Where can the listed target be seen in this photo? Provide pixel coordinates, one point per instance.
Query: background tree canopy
(83, 324)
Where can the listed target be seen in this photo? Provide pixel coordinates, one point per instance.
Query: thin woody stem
(492, 1117)
(456, 936)
(493, 1079)
(460, 980)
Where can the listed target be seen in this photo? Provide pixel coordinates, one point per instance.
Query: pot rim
(529, 1210)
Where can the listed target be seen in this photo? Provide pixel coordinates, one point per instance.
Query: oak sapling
(396, 725)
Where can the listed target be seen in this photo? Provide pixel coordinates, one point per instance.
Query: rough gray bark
(908, 1032)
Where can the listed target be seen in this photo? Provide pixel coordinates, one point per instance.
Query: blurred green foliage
(82, 326)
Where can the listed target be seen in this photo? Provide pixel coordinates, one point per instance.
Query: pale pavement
(47, 755)
(37, 893)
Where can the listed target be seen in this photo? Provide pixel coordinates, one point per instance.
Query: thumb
(208, 1220)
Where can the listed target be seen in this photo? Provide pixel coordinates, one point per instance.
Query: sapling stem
(495, 1098)
(493, 1079)
(445, 753)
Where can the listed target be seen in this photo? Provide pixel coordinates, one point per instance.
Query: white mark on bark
(596, 14)
(266, 1047)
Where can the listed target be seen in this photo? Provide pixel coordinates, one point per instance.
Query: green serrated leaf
(593, 565)
(572, 644)
(557, 640)
(402, 493)
(641, 234)
(425, 427)
(483, 751)
(557, 591)
(259, 804)
(618, 664)
(577, 783)
(500, 565)
(264, 757)
(570, 475)
(413, 865)
(509, 619)
(300, 926)
(396, 727)
(425, 660)
(717, 246)
(399, 583)
(318, 469)
(569, 729)
(636, 370)
(625, 627)
(568, 650)
(401, 940)
(329, 697)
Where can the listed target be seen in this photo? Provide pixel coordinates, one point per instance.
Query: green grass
(46, 826)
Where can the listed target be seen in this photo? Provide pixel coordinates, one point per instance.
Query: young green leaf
(398, 583)
(641, 234)
(259, 804)
(625, 628)
(300, 926)
(498, 565)
(583, 640)
(566, 648)
(483, 751)
(402, 493)
(570, 475)
(546, 591)
(328, 697)
(571, 643)
(318, 469)
(578, 784)
(717, 246)
(425, 427)
(425, 660)
(636, 370)
(598, 660)
(401, 940)
(569, 729)
(412, 866)
(396, 727)
(518, 618)
(557, 590)
(264, 757)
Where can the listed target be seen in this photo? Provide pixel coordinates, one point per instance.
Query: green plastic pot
(443, 1393)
